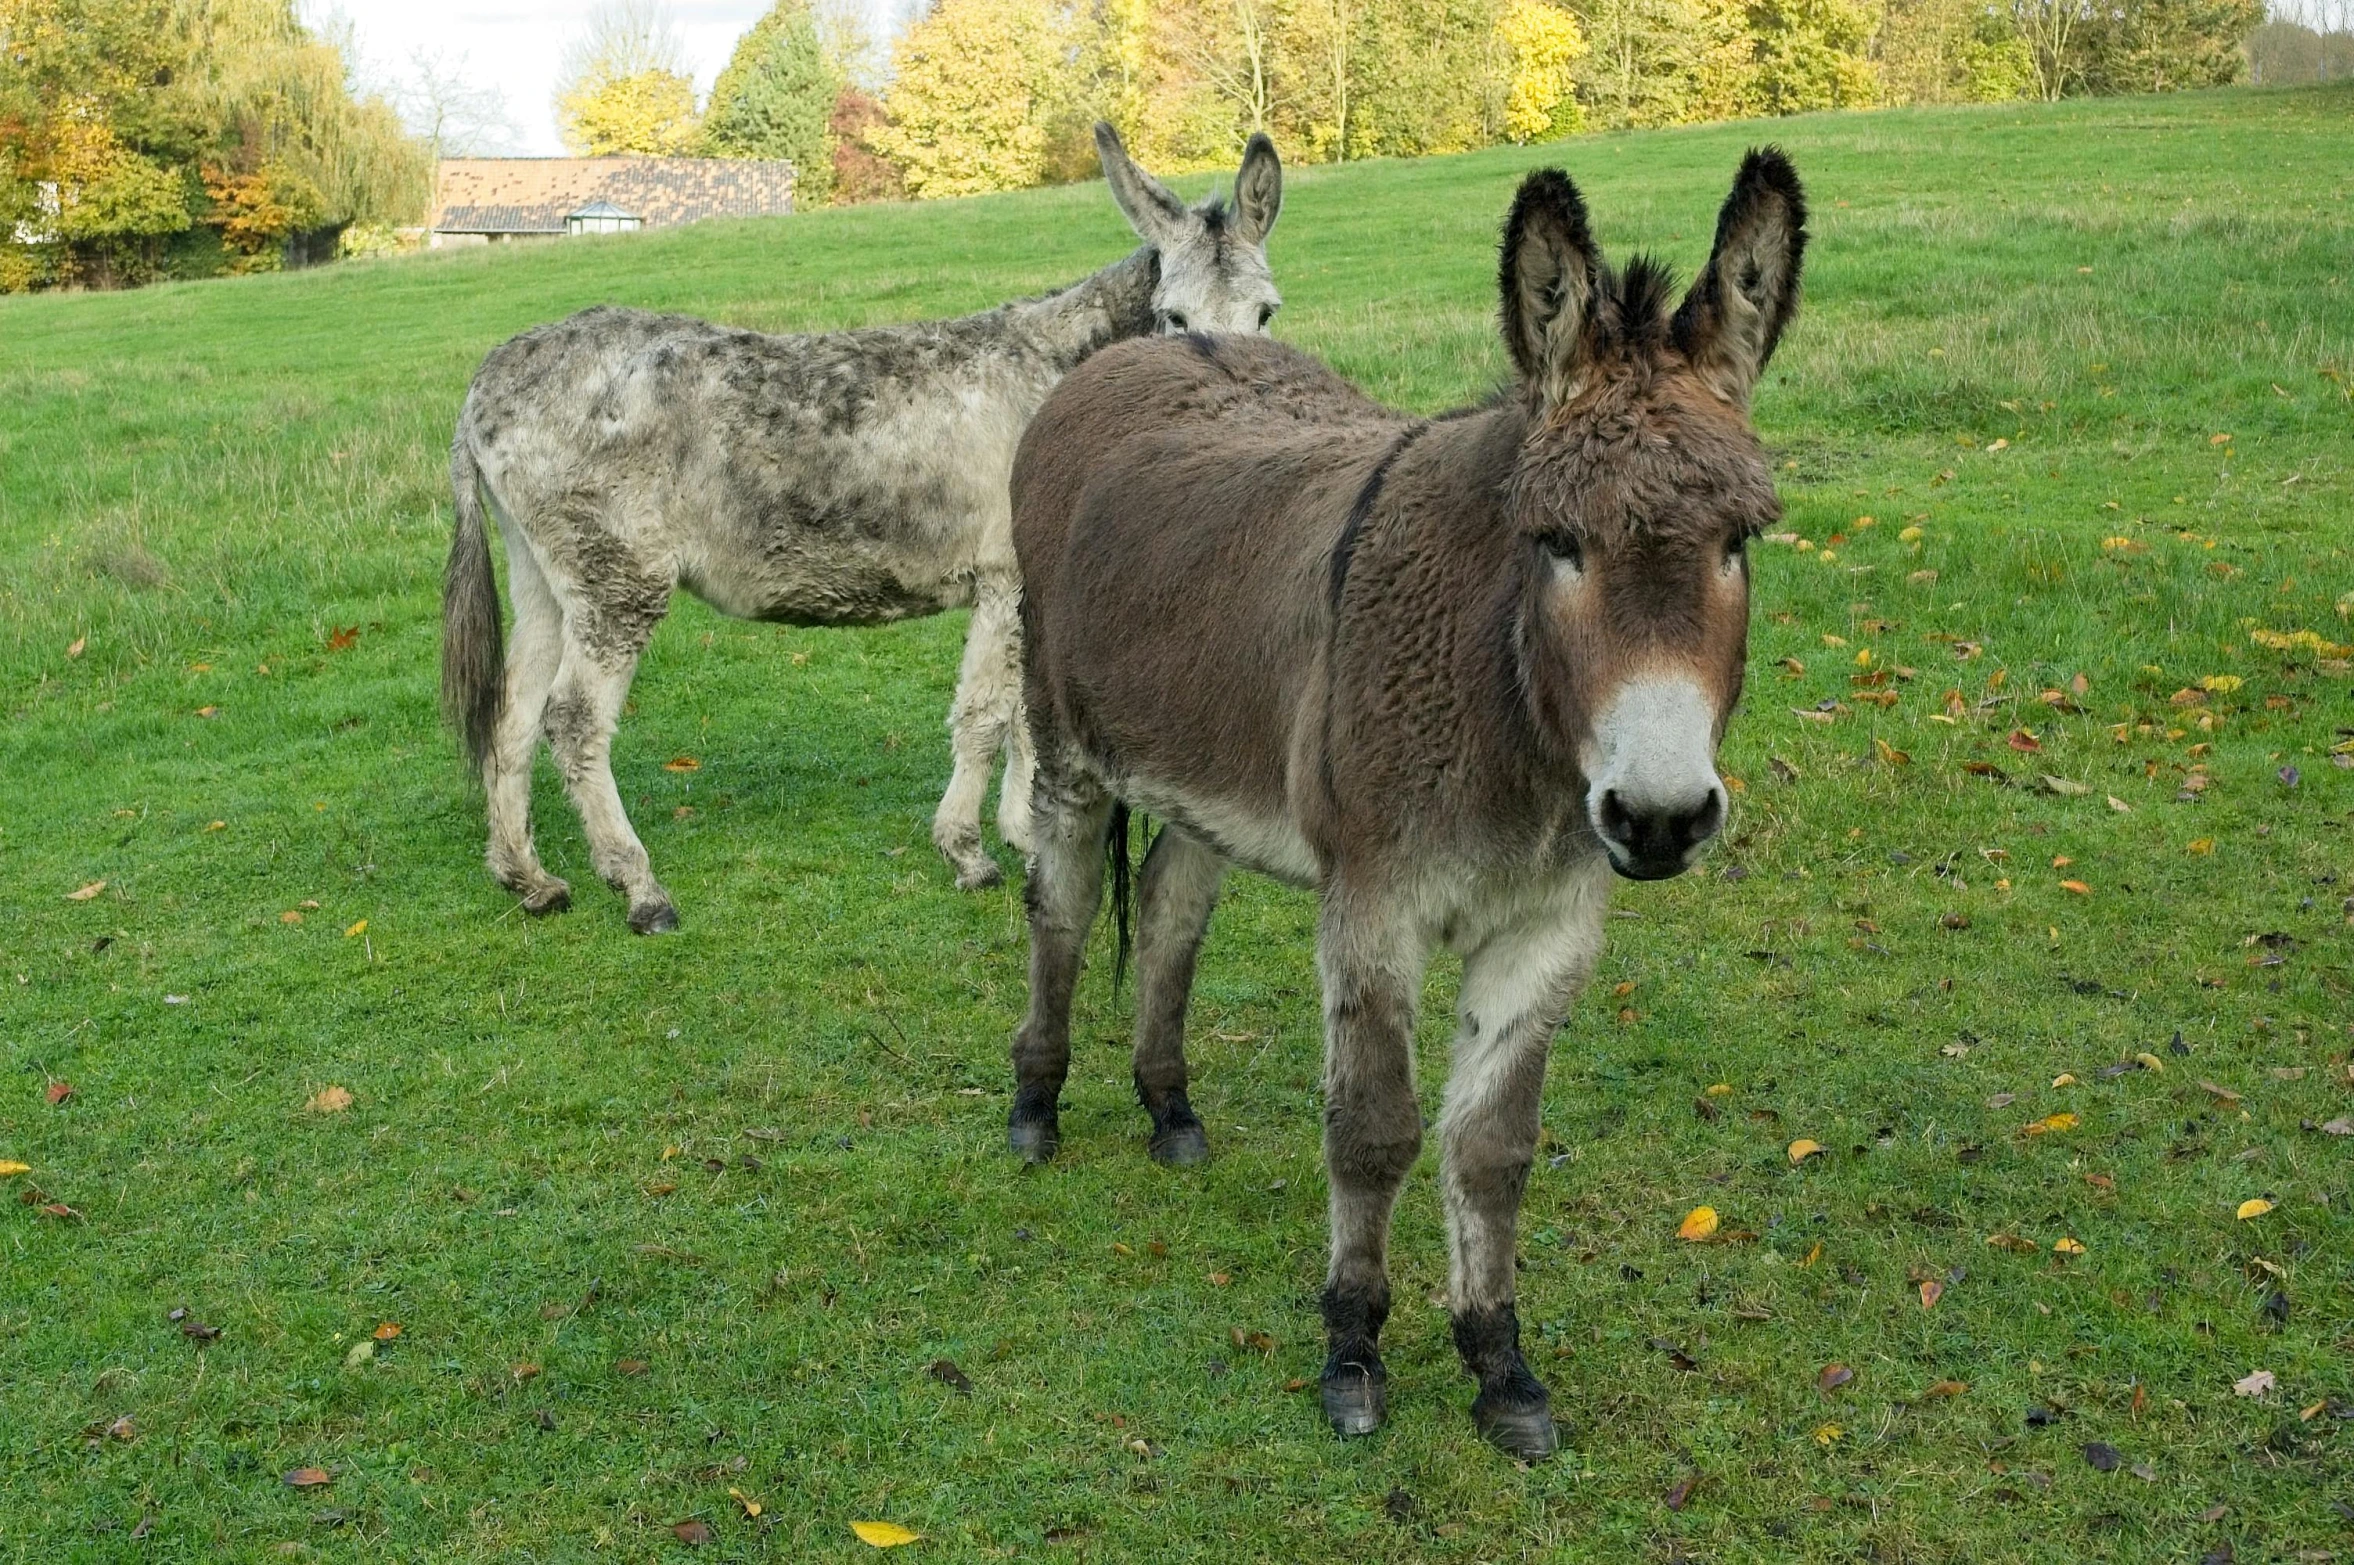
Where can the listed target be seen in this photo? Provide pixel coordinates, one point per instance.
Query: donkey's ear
(1148, 205)
(1549, 275)
(1258, 190)
(1728, 324)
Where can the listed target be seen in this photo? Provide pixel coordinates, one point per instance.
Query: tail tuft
(473, 657)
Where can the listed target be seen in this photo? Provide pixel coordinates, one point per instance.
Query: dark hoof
(1515, 1423)
(1356, 1396)
(1181, 1146)
(1033, 1130)
(658, 918)
(551, 899)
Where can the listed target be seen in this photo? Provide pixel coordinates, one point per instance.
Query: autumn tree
(624, 86)
(978, 87)
(1540, 43)
(776, 99)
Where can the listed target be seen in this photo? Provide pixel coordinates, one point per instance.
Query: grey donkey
(1451, 673)
(847, 478)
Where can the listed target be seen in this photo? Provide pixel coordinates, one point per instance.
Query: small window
(602, 217)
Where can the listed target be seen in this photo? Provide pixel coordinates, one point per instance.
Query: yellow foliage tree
(979, 87)
(1541, 42)
(648, 112)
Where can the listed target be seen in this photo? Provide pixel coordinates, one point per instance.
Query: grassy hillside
(667, 1222)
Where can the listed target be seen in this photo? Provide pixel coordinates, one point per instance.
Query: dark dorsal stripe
(1367, 498)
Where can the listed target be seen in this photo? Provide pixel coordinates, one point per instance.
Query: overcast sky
(515, 45)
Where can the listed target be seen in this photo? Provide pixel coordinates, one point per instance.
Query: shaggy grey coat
(849, 478)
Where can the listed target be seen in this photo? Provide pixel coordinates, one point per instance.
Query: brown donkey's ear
(1258, 190)
(1728, 324)
(1548, 278)
(1155, 214)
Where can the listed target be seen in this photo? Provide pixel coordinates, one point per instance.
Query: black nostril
(1617, 822)
(1699, 825)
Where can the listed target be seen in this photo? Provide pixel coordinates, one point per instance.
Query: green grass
(200, 481)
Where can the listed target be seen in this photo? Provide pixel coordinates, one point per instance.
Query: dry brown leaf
(682, 763)
(329, 1100)
(86, 892)
(2077, 887)
(1947, 1388)
(58, 1091)
(2219, 1094)
(386, 1330)
(1931, 1291)
(1832, 1376)
(309, 1478)
(2254, 1384)
(692, 1532)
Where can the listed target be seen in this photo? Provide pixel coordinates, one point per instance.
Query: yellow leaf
(87, 892)
(883, 1535)
(2050, 1123)
(2064, 1079)
(1719, 1090)
(1698, 1224)
(2076, 886)
(9, 1169)
(2067, 1247)
(2000, 445)
(1812, 1255)
(682, 763)
(2202, 846)
(1802, 1149)
(751, 1506)
(359, 928)
(1863, 659)
(2150, 1062)
(2254, 1208)
(290, 916)
(1828, 1434)
(329, 1100)
(2221, 684)
(1830, 640)
(1910, 535)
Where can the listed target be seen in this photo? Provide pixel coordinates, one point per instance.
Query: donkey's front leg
(1517, 986)
(988, 699)
(1371, 965)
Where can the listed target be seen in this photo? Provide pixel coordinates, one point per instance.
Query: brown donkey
(1449, 672)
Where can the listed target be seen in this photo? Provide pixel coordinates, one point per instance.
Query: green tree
(1810, 54)
(776, 98)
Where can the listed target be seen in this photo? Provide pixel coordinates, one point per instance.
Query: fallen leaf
(343, 639)
(1812, 1255)
(1802, 1149)
(1219, 1279)
(208, 711)
(682, 763)
(87, 892)
(1889, 753)
(386, 1331)
(2219, 1094)
(58, 1091)
(752, 1507)
(1698, 1224)
(197, 1331)
(59, 1210)
(1832, 1377)
(79, 643)
(2076, 886)
(1718, 1090)
(523, 1372)
(2067, 1247)
(883, 1535)
(290, 916)
(2343, 1125)
(1676, 1497)
(2253, 1208)
(2149, 1062)
(309, 1478)
(329, 1100)
(2066, 787)
(691, 1532)
(359, 928)
(2049, 1124)
(946, 1372)
(2119, 805)
(361, 1353)
(2202, 846)
(1931, 1291)
(2103, 1457)
(2015, 1244)
(629, 1366)
(2064, 1079)
(1828, 1434)
(1947, 1388)
(9, 1168)
(2024, 742)
(2254, 1384)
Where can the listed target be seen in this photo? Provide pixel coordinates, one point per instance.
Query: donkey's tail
(473, 661)
(1115, 849)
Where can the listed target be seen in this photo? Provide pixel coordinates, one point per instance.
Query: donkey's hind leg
(582, 711)
(1064, 891)
(533, 653)
(1517, 986)
(988, 698)
(1371, 963)
(1177, 890)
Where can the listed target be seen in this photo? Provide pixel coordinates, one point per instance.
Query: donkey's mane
(1639, 304)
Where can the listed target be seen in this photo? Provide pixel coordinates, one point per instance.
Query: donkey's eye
(1177, 321)
(1564, 546)
(1266, 314)
(1736, 551)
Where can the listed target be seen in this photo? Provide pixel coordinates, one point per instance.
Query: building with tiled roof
(477, 200)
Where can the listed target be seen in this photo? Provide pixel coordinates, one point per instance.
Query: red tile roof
(534, 195)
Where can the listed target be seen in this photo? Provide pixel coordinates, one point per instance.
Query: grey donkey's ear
(1548, 280)
(1258, 190)
(1730, 321)
(1149, 206)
